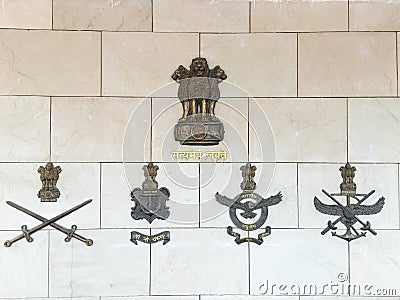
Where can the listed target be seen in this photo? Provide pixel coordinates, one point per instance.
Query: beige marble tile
(137, 64)
(347, 64)
(113, 15)
(263, 64)
(185, 267)
(310, 261)
(49, 63)
(201, 16)
(28, 14)
(374, 15)
(232, 112)
(93, 129)
(119, 179)
(24, 128)
(112, 266)
(383, 178)
(372, 261)
(298, 16)
(304, 129)
(374, 130)
(398, 64)
(23, 266)
(20, 183)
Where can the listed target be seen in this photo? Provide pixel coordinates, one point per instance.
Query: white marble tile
(298, 16)
(112, 266)
(20, 184)
(375, 262)
(374, 130)
(185, 267)
(29, 14)
(181, 180)
(374, 15)
(381, 178)
(201, 16)
(347, 64)
(232, 112)
(138, 63)
(56, 63)
(295, 257)
(24, 128)
(273, 73)
(93, 129)
(23, 266)
(113, 15)
(225, 179)
(303, 129)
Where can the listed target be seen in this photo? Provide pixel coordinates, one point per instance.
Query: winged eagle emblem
(348, 213)
(248, 207)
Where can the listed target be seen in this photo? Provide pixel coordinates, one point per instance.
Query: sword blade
(47, 223)
(54, 225)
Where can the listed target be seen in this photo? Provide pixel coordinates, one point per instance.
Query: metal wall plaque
(150, 204)
(49, 177)
(199, 93)
(26, 233)
(348, 213)
(246, 205)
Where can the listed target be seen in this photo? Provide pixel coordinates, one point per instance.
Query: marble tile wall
(87, 84)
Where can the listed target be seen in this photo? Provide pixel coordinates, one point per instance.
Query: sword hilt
(71, 233)
(25, 231)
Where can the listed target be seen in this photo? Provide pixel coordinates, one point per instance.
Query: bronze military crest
(250, 206)
(199, 93)
(348, 214)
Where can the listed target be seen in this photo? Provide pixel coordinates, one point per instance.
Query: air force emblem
(245, 206)
(348, 214)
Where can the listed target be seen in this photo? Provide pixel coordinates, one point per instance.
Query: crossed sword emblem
(26, 233)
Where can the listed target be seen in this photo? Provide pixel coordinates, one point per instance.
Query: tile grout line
(52, 14)
(199, 194)
(101, 178)
(348, 266)
(347, 130)
(199, 44)
(151, 129)
(297, 195)
(398, 190)
(48, 264)
(348, 15)
(397, 61)
(101, 63)
(152, 16)
(150, 266)
(248, 263)
(250, 2)
(50, 127)
(248, 129)
(297, 65)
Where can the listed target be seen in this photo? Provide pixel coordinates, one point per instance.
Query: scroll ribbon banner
(258, 240)
(150, 239)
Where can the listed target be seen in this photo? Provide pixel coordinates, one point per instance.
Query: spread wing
(370, 209)
(229, 202)
(334, 210)
(273, 200)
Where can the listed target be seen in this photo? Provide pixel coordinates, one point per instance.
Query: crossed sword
(26, 233)
(332, 224)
